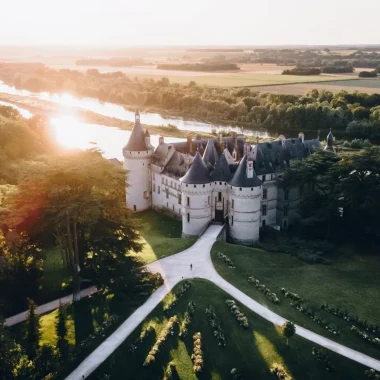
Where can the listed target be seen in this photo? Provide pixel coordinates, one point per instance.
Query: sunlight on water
(119, 112)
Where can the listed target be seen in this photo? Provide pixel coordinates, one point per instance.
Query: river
(71, 133)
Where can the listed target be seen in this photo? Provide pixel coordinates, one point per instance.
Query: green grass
(351, 281)
(253, 351)
(370, 83)
(161, 236)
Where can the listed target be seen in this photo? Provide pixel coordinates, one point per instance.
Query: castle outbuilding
(221, 180)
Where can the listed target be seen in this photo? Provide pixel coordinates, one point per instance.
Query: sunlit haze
(197, 22)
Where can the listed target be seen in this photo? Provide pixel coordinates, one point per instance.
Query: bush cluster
(241, 318)
(320, 356)
(372, 374)
(168, 329)
(170, 371)
(263, 289)
(279, 372)
(197, 355)
(349, 318)
(215, 325)
(144, 334)
(367, 337)
(177, 296)
(315, 317)
(357, 144)
(235, 374)
(226, 260)
(188, 317)
(292, 296)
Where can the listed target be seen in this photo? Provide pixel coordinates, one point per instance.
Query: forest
(350, 115)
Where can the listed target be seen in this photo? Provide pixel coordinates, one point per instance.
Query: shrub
(367, 337)
(263, 289)
(170, 371)
(240, 317)
(320, 356)
(168, 329)
(235, 374)
(293, 296)
(187, 320)
(177, 296)
(372, 374)
(144, 334)
(197, 356)
(226, 260)
(279, 372)
(368, 74)
(215, 325)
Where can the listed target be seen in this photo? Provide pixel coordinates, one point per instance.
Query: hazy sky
(195, 22)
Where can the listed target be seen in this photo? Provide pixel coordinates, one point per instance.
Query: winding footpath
(176, 268)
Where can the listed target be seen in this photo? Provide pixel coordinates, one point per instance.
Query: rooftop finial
(137, 116)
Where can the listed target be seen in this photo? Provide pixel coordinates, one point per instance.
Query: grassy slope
(161, 236)
(349, 282)
(253, 351)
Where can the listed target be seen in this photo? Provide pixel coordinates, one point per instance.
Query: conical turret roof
(210, 156)
(222, 170)
(136, 142)
(240, 178)
(197, 173)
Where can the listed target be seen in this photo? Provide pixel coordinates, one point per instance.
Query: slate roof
(136, 142)
(210, 156)
(240, 178)
(197, 173)
(222, 171)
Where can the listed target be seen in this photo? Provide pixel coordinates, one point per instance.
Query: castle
(222, 180)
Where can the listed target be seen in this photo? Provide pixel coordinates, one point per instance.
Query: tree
(32, 330)
(288, 330)
(61, 329)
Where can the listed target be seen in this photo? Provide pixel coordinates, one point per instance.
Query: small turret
(330, 141)
(147, 138)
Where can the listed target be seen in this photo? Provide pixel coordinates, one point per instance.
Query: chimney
(301, 136)
(236, 148)
(161, 140)
(250, 169)
(147, 138)
(220, 138)
(189, 144)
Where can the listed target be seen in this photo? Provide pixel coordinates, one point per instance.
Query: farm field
(252, 350)
(349, 282)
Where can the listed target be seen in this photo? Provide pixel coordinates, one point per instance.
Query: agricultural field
(349, 282)
(252, 347)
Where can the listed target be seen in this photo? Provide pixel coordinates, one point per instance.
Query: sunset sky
(195, 22)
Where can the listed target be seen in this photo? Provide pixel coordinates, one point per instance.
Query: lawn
(369, 83)
(253, 350)
(351, 281)
(161, 236)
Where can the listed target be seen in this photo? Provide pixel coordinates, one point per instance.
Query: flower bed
(197, 356)
(292, 296)
(168, 329)
(226, 260)
(188, 317)
(343, 314)
(241, 318)
(362, 334)
(144, 334)
(177, 296)
(314, 317)
(215, 325)
(263, 289)
(320, 356)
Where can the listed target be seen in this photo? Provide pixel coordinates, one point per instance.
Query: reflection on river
(119, 112)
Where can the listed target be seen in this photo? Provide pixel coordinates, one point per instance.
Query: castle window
(159, 190)
(167, 204)
(286, 195)
(162, 180)
(265, 193)
(173, 208)
(166, 182)
(154, 176)
(188, 201)
(154, 187)
(240, 188)
(233, 203)
(264, 178)
(219, 196)
(263, 223)
(208, 200)
(134, 207)
(215, 183)
(285, 225)
(251, 188)
(195, 185)
(188, 217)
(204, 185)
(220, 183)
(264, 210)
(286, 210)
(171, 183)
(179, 198)
(232, 220)
(143, 164)
(167, 193)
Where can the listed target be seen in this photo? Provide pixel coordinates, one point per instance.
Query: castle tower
(245, 198)
(137, 157)
(330, 141)
(196, 198)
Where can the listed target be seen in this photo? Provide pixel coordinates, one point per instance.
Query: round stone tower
(245, 197)
(137, 158)
(196, 198)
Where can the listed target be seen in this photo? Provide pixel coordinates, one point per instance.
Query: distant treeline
(112, 62)
(337, 69)
(223, 50)
(368, 74)
(302, 71)
(356, 115)
(211, 66)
